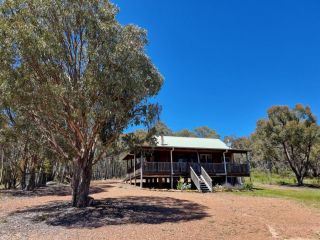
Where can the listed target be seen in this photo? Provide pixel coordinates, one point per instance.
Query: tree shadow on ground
(55, 190)
(305, 185)
(116, 211)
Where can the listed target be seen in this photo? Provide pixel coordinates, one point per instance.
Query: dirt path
(126, 212)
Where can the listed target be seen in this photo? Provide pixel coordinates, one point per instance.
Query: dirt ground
(125, 212)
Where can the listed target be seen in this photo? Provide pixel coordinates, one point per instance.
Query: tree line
(288, 139)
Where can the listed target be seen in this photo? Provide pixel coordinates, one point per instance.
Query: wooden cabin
(203, 162)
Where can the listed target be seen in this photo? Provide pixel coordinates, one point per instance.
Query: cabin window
(204, 158)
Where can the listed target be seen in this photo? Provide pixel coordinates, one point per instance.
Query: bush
(223, 188)
(233, 188)
(248, 186)
(182, 185)
(219, 188)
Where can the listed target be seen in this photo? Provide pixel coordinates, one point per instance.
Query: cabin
(203, 162)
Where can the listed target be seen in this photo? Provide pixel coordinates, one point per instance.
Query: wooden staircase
(203, 187)
(201, 179)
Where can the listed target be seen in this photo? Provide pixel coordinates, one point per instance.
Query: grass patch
(286, 178)
(310, 197)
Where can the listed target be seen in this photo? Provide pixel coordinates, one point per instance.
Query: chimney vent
(162, 140)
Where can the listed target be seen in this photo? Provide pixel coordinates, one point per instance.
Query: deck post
(225, 165)
(141, 171)
(198, 155)
(134, 169)
(171, 163)
(248, 164)
(131, 168)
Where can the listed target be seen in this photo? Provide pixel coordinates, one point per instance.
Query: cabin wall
(187, 156)
(161, 156)
(183, 156)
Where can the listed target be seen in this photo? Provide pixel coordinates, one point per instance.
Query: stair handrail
(207, 179)
(195, 178)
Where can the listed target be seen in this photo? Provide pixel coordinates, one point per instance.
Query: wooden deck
(151, 169)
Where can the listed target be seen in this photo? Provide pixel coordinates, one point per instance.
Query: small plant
(219, 188)
(233, 188)
(282, 183)
(248, 186)
(182, 185)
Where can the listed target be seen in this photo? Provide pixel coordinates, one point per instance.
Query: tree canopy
(294, 132)
(205, 132)
(201, 132)
(80, 76)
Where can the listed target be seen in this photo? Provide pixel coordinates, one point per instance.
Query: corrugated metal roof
(190, 142)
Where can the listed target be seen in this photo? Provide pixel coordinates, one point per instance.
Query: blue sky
(226, 62)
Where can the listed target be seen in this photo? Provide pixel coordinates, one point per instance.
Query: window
(204, 158)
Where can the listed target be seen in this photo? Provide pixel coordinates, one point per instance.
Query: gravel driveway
(125, 212)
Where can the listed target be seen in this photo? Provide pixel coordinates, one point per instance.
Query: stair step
(202, 187)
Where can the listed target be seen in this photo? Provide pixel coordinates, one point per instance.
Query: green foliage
(47, 165)
(315, 160)
(182, 185)
(290, 135)
(205, 132)
(75, 71)
(184, 133)
(219, 188)
(200, 132)
(78, 76)
(162, 129)
(285, 178)
(248, 186)
(239, 143)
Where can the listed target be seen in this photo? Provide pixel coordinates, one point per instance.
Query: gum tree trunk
(82, 171)
(31, 184)
(300, 179)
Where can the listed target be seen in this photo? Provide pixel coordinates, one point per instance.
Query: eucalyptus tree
(265, 155)
(78, 74)
(295, 132)
(205, 132)
(199, 132)
(184, 133)
(238, 142)
(315, 161)
(162, 129)
(22, 150)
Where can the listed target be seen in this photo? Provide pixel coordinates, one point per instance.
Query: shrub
(219, 188)
(236, 188)
(248, 186)
(223, 188)
(182, 185)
